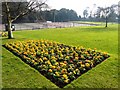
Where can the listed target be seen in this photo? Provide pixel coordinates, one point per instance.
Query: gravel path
(33, 26)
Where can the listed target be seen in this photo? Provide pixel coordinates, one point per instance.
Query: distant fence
(33, 26)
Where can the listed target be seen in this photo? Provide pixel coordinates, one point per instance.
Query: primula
(74, 72)
(45, 58)
(53, 58)
(76, 69)
(53, 67)
(87, 64)
(57, 73)
(82, 65)
(63, 71)
(67, 57)
(76, 58)
(66, 81)
(40, 60)
(62, 62)
(65, 76)
(49, 62)
(50, 70)
(56, 63)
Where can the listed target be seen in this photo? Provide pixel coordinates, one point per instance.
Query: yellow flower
(44, 58)
(78, 48)
(87, 60)
(53, 57)
(80, 62)
(82, 56)
(76, 58)
(67, 50)
(65, 76)
(56, 63)
(98, 56)
(46, 52)
(87, 64)
(74, 72)
(24, 56)
(61, 55)
(58, 68)
(77, 69)
(44, 66)
(33, 61)
(57, 73)
(66, 81)
(40, 60)
(89, 48)
(53, 67)
(52, 51)
(94, 48)
(86, 52)
(42, 52)
(105, 53)
(50, 65)
(67, 57)
(49, 62)
(50, 70)
(82, 65)
(61, 63)
(76, 54)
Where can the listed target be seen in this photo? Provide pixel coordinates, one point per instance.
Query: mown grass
(17, 74)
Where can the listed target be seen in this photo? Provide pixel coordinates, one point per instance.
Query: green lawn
(17, 74)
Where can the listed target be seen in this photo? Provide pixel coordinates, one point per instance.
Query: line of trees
(61, 15)
(53, 15)
(107, 14)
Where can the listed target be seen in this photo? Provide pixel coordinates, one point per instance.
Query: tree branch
(1, 15)
(18, 6)
(28, 11)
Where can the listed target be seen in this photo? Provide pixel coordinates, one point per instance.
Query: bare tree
(30, 6)
(106, 12)
(85, 13)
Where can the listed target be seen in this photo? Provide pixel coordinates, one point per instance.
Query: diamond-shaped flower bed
(58, 62)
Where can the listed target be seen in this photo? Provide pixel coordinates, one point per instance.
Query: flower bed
(58, 62)
(3, 34)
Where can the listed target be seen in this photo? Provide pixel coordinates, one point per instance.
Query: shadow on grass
(6, 40)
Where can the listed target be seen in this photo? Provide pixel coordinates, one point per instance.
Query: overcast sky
(79, 5)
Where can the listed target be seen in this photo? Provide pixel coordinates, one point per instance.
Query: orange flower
(95, 49)
(25, 53)
(63, 71)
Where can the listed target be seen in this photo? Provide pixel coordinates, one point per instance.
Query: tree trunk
(106, 21)
(10, 35)
(9, 23)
